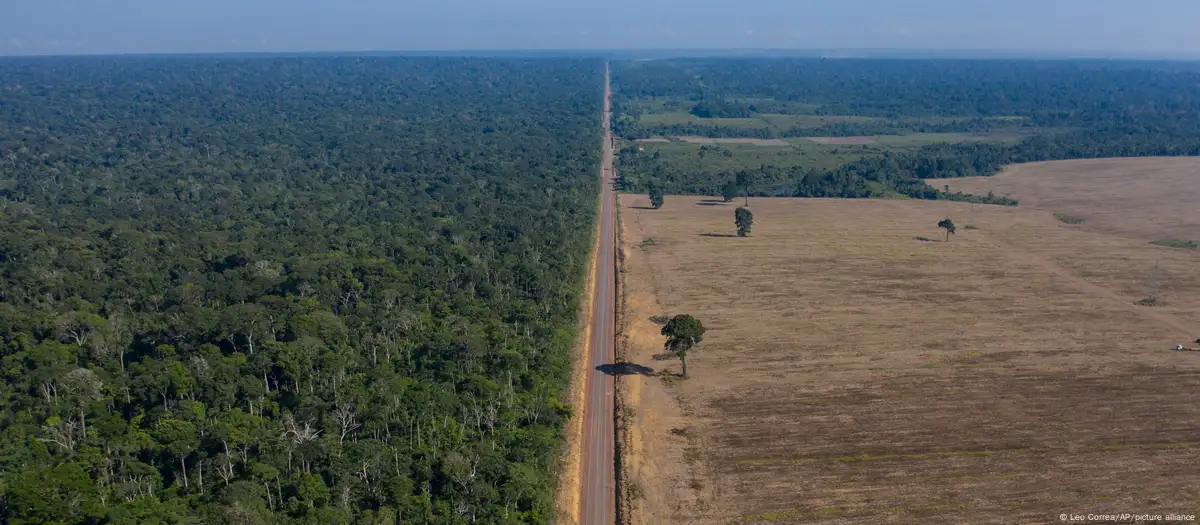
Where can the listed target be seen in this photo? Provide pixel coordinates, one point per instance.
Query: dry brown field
(1152, 198)
(854, 373)
(839, 141)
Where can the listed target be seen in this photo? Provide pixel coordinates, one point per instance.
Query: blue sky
(1157, 27)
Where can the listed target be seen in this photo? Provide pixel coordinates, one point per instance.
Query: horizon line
(686, 52)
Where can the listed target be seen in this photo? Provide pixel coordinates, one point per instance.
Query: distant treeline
(633, 130)
(1072, 109)
(1051, 93)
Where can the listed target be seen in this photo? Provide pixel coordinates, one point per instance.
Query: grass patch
(671, 119)
(918, 140)
(786, 122)
(647, 242)
(1069, 219)
(1149, 301)
(1176, 243)
(970, 227)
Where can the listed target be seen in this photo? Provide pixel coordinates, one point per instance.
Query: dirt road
(597, 500)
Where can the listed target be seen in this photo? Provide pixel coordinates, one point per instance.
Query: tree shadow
(625, 369)
(717, 235)
(710, 203)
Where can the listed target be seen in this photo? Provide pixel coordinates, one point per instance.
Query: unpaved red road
(598, 488)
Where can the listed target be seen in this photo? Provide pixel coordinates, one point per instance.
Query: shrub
(1176, 243)
(1069, 219)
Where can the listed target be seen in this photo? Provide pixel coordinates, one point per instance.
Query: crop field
(858, 368)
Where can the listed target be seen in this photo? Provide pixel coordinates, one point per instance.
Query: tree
(63, 494)
(78, 327)
(683, 332)
(729, 191)
(948, 225)
(656, 197)
(180, 439)
(744, 181)
(744, 220)
(84, 388)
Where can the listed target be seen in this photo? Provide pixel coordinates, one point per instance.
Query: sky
(1113, 27)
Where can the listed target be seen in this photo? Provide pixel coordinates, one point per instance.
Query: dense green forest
(1065, 109)
(290, 290)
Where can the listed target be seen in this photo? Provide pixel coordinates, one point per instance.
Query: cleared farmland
(1147, 198)
(853, 372)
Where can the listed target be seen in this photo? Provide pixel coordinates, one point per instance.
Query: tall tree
(744, 220)
(729, 191)
(744, 180)
(683, 332)
(948, 225)
(656, 196)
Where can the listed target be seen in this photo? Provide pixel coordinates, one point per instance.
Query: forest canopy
(290, 290)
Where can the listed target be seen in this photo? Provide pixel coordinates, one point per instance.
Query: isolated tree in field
(744, 181)
(729, 191)
(948, 225)
(683, 332)
(656, 197)
(744, 220)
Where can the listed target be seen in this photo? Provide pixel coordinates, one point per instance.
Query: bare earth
(653, 139)
(846, 141)
(852, 373)
(756, 142)
(1152, 198)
